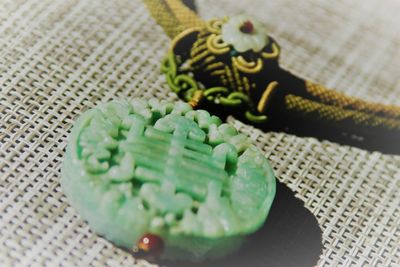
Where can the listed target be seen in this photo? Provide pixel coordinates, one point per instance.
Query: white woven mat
(58, 58)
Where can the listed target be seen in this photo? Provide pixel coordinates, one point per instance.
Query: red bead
(151, 244)
(247, 27)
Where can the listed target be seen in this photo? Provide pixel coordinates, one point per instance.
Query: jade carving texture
(163, 168)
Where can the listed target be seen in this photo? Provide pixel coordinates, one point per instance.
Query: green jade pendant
(162, 170)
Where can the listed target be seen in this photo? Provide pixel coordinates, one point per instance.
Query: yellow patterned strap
(334, 113)
(331, 97)
(173, 16)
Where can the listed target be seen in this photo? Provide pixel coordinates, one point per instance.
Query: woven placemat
(59, 58)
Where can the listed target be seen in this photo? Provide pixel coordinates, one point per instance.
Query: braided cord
(173, 16)
(331, 97)
(336, 114)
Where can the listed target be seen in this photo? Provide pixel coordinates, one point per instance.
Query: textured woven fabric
(58, 58)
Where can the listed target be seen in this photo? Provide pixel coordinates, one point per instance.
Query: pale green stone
(163, 168)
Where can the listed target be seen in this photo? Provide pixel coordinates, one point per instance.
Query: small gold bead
(196, 99)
